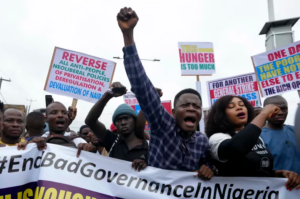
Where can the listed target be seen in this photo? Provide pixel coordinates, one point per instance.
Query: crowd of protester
(239, 140)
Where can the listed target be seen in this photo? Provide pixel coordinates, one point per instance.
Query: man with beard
(13, 127)
(280, 138)
(126, 145)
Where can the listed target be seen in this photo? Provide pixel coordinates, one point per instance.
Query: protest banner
(241, 85)
(79, 75)
(196, 58)
(57, 173)
(278, 71)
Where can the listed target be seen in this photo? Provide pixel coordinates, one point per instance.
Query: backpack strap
(74, 137)
(60, 140)
(115, 142)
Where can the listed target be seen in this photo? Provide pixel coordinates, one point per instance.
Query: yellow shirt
(22, 140)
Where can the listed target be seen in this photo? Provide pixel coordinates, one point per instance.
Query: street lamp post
(140, 59)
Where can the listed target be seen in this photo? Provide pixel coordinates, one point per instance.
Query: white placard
(241, 85)
(196, 58)
(79, 75)
(130, 99)
(278, 71)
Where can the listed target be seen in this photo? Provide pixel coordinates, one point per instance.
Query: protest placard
(57, 173)
(278, 71)
(196, 58)
(241, 85)
(166, 104)
(79, 75)
(136, 107)
(130, 99)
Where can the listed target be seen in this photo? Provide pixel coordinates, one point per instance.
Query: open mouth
(241, 115)
(60, 123)
(190, 121)
(124, 129)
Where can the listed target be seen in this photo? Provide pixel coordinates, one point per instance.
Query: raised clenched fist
(127, 19)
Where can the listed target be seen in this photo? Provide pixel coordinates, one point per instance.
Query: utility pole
(140, 59)
(30, 104)
(1, 79)
(271, 10)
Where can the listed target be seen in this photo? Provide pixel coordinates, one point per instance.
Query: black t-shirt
(257, 163)
(117, 148)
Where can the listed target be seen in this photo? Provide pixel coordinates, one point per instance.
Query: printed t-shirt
(257, 163)
(283, 146)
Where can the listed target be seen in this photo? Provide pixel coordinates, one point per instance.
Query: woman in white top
(234, 138)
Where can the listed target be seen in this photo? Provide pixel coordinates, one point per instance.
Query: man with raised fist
(174, 142)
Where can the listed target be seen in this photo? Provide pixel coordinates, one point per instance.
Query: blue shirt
(46, 129)
(167, 149)
(30, 138)
(283, 146)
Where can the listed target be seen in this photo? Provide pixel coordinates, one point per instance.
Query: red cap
(113, 128)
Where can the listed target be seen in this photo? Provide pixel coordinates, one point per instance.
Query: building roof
(283, 22)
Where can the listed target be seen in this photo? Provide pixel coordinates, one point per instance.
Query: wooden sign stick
(74, 103)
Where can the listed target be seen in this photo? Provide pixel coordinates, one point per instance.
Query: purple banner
(48, 189)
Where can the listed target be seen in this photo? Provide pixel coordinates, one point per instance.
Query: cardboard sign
(241, 85)
(78, 75)
(130, 99)
(278, 71)
(196, 58)
(166, 104)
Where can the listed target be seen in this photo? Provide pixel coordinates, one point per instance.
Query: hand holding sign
(72, 113)
(117, 89)
(127, 19)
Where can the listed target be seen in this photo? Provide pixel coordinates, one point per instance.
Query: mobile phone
(119, 90)
(48, 99)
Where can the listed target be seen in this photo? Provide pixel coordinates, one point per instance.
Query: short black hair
(83, 127)
(47, 108)
(217, 120)
(1, 107)
(269, 99)
(35, 120)
(185, 91)
(9, 108)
